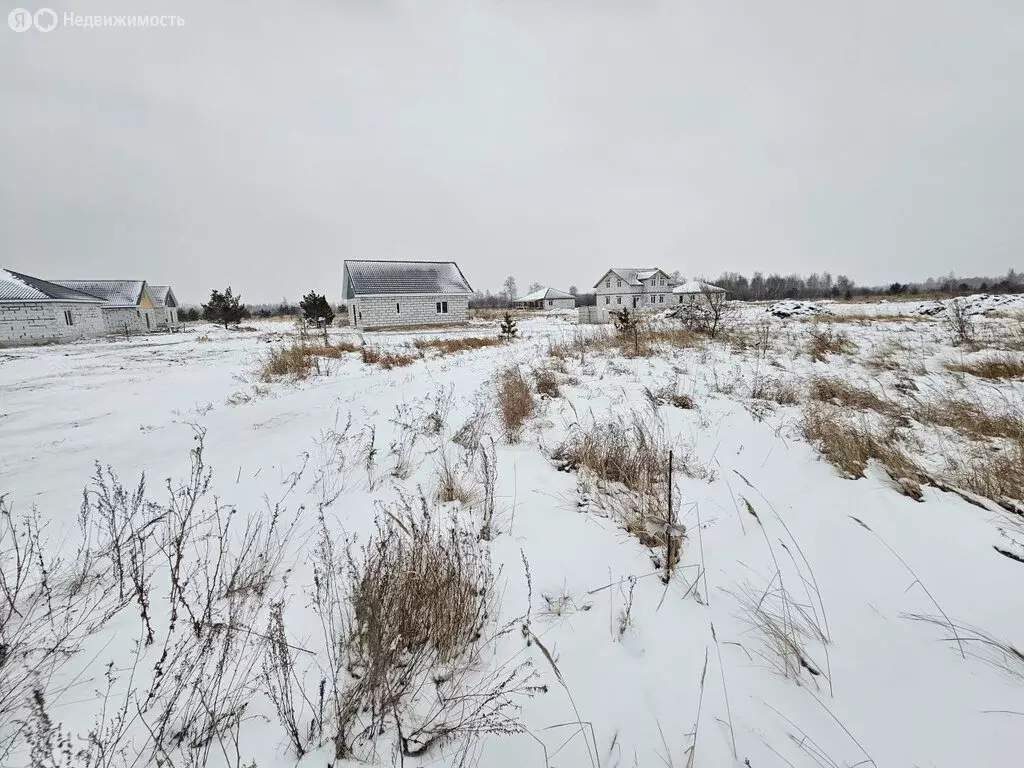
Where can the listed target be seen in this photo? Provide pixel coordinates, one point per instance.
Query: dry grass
(386, 360)
(676, 337)
(832, 389)
(515, 402)
(995, 472)
(417, 607)
(776, 390)
(452, 485)
(994, 367)
(498, 314)
(451, 346)
(546, 381)
(848, 445)
(866, 319)
(630, 454)
(670, 395)
(825, 340)
(301, 361)
(971, 419)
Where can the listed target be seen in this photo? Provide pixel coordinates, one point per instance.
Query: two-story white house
(645, 288)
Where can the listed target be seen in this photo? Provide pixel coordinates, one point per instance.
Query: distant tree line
(821, 285)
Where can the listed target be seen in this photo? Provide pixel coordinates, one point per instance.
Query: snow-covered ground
(628, 670)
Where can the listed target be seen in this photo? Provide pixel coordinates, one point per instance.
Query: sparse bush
(959, 323)
(515, 402)
(995, 367)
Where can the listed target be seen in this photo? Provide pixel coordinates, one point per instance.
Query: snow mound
(797, 309)
(977, 304)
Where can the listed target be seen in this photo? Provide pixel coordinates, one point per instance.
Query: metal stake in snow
(669, 524)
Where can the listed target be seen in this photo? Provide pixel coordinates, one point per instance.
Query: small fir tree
(225, 308)
(315, 309)
(509, 329)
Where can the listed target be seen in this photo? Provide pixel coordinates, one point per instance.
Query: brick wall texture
(36, 323)
(396, 311)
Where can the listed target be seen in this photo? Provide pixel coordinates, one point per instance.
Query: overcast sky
(266, 141)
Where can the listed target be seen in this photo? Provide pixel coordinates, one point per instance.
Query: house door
(634, 302)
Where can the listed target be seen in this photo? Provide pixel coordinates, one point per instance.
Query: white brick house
(547, 298)
(644, 288)
(389, 294)
(128, 306)
(34, 311)
(166, 303)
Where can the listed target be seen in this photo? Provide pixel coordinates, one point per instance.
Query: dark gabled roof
(163, 296)
(117, 293)
(14, 286)
(546, 293)
(390, 278)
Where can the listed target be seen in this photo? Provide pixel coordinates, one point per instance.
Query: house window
(607, 299)
(147, 321)
(618, 283)
(652, 299)
(663, 281)
(661, 299)
(618, 299)
(137, 313)
(680, 298)
(551, 303)
(442, 307)
(68, 319)
(398, 308)
(608, 283)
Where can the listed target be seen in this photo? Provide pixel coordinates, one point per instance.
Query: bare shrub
(832, 389)
(825, 340)
(849, 445)
(959, 323)
(470, 435)
(994, 367)
(515, 402)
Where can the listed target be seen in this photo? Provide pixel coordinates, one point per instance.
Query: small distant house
(547, 298)
(127, 304)
(633, 288)
(390, 294)
(693, 290)
(34, 311)
(165, 302)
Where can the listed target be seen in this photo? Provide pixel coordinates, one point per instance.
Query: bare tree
(510, 289)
